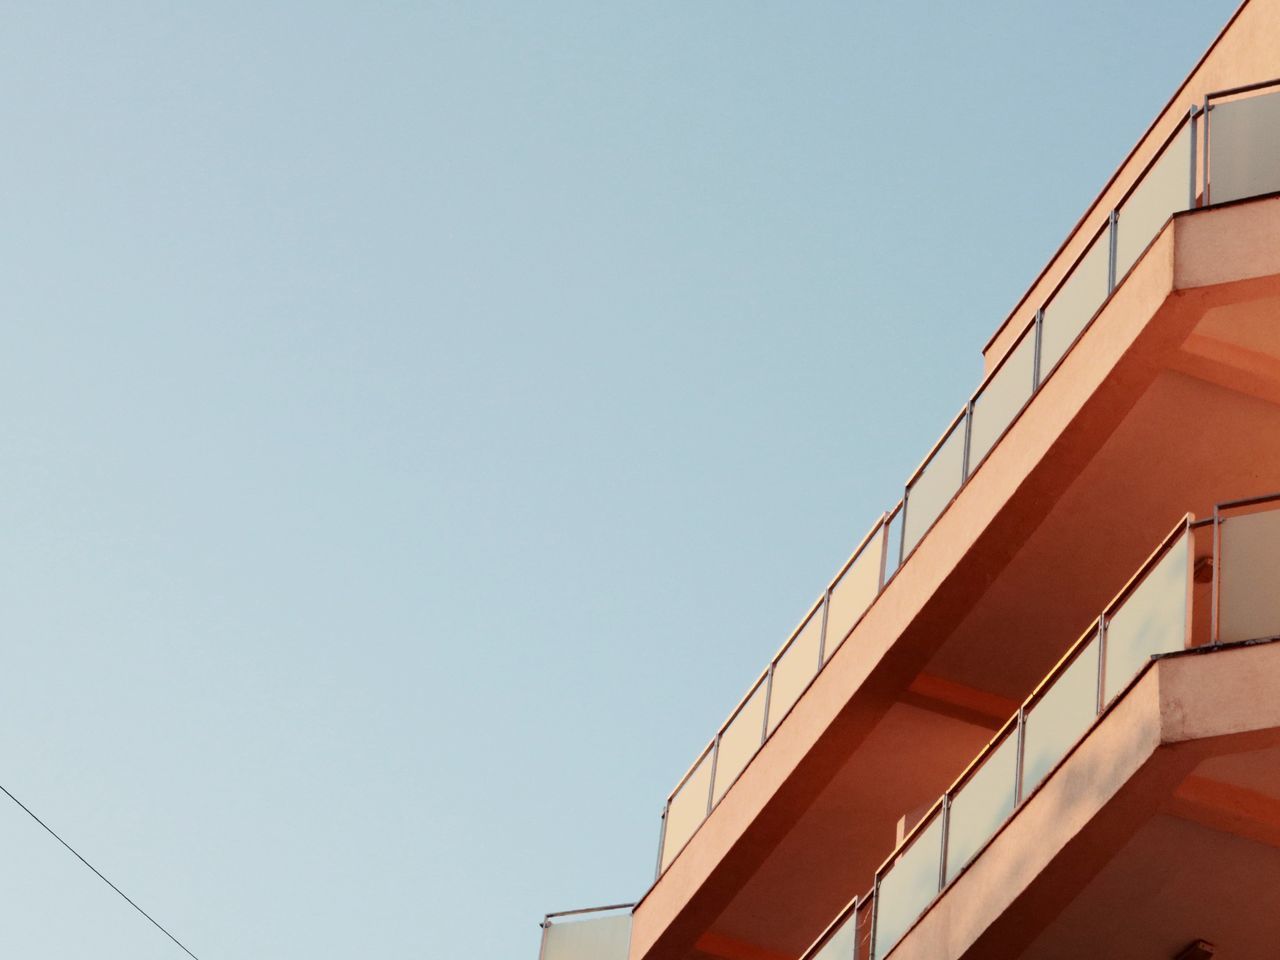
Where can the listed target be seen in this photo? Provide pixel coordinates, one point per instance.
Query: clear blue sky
(421, 421)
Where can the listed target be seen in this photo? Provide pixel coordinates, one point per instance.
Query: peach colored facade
(1051, 728)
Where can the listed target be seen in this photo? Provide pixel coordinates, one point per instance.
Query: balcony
(1209, 587)
(596, 933)
(1226, 149)
(1178, 366)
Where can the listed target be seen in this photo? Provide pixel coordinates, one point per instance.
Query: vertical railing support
(1020, 732)
(902, 534)
(1204, 164)
(875, 915)
(768, 697)
(662, 839)
(968, 435)
(715, 757)
(542, 943)
(822, 637)
(1113, 222)
(1215, 635)
(1102, 664)
(1191, 179)
(1035, 366)
(945, 814)
(884, 551)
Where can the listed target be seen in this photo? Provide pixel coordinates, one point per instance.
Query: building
(1037, 713)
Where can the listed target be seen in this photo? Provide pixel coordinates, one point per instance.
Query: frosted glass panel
(853, 592)
(908, 887)
(1002, 398)
(866, 908)
(935, 487)
(1153, 619)
(1250, 586)
(1244, 147)
(1061, 716)
(841, 943)
(1163, 191)
(601, 938)
(1075, 303)
(687, 810)
(740, 740)
(983, 803)
(794, 669)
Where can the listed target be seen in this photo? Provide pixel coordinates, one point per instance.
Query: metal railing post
(945, 814)
(711, 786)
(542, 943)
(1204, 193)
(1102, 664)
(768, 697)
(662, 839)
(1215, 614)
(1035, 366)
(875, 914)
(968, 435)
(1020, 732)
(1191, 188)
(884, 552)
(902, 534)
(822, 637)
(1113, 222)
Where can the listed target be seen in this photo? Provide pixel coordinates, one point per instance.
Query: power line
(49, 830)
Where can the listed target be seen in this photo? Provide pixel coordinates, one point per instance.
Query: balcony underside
(1169, 402)
(1161, 828)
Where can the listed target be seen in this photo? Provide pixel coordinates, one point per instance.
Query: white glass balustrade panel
(1244, 147)
(841, 944)
(1151, 620)
(795, 668)
(854, 591)
(934, 487)
(687, 810)
(1004, 395)
(1060, 717)
(908, 886)
(982, 803)
(1164, 191)
(740, 741)
(597, 938)
(1249, 599)
(1075, 303)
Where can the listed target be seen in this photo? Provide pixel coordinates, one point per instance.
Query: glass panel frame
(934, 485)
(1152, 617)
(740, 739)
(854, 589)
(839, 941)
(591, 938)
(1165, 189)
(906, 887)
(982, 802)
(1248, 594)
(1075, 302)
(687, 807)
(1004, 395)
(795, 667)
(1244, 147)
(1063, 710)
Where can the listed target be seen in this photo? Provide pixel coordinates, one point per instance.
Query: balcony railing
(1232, 556)
(1227, 148)
(597, 933)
